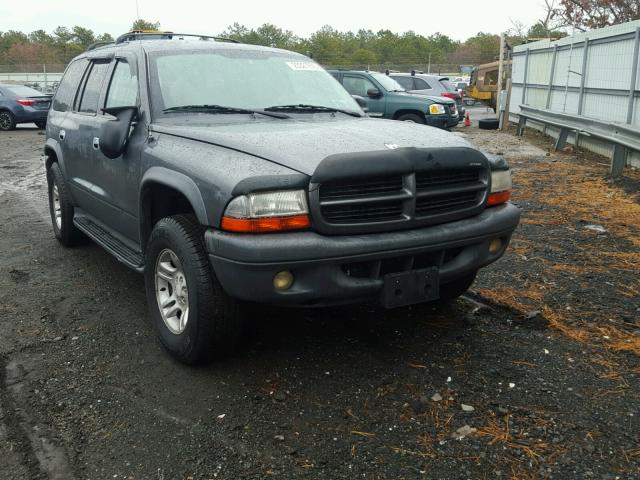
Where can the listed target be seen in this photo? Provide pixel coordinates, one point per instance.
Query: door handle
(62, 134)
(96, 143)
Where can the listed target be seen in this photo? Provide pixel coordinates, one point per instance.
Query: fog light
(283, 280)
(495, 246)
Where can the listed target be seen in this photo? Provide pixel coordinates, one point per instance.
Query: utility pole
(500, 73)
(429, 67)
(137, 11)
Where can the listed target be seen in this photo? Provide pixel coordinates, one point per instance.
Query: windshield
(22, 91)
(388, 83)
(249, 79)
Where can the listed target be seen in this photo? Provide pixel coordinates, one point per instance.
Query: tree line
(336, 48)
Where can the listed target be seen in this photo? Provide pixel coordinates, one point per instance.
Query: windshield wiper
(221, 109)
(302, 107)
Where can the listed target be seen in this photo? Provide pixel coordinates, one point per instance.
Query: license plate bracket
(406, 288)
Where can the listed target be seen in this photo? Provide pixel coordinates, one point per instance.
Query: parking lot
(535, 374)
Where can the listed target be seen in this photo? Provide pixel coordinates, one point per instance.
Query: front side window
(357, 85)
(123, 90)
(91, 92)
(66, 92)
(241, 78)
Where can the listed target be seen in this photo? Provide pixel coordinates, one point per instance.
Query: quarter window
(123, 91)
(92, 87)
(66, 92)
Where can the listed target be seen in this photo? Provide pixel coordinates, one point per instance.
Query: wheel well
(399, 113)
(159, 201)
(51, 157)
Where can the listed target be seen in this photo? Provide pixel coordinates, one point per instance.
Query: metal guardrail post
(526, 72)
(553, 71)
(583, 76)
(618, 161)
(634, 77)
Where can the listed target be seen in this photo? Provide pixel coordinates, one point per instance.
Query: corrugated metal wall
(558, 76)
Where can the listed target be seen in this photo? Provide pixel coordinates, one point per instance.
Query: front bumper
(442, 121)
(350, 268)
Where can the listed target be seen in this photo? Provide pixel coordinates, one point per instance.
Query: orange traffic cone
(467, 121)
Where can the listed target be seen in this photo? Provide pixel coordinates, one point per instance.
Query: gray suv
(230, 173)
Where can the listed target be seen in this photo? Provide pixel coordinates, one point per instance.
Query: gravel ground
(534, 375)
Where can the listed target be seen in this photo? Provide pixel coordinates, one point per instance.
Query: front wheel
(194, 318)
(412, 118)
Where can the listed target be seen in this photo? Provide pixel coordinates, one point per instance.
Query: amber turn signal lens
(498, 198)
(266, 224)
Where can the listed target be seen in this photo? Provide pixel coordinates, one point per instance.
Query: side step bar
(110, 243)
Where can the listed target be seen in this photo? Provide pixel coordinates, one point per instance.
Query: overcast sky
(458, 19)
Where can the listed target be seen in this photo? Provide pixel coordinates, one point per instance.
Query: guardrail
(622, 136)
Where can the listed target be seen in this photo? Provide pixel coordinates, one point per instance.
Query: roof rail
(152, 35)
(95, 45)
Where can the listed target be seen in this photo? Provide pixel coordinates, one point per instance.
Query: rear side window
(91, 92)
(66, 92)
(422, 84)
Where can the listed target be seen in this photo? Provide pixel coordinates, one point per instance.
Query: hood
(302, 144)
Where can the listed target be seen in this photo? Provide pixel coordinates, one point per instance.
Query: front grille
(380, 203)
(364, 186)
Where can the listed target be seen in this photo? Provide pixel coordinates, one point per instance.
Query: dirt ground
(536, 374)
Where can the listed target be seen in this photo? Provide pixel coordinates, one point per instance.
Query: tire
(489, 124)
(7, 121)
(411, 117)
(62, 211)
(452, 290)
(41, 125)
(207, 322)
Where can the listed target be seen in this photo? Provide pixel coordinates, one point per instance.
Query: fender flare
(178, 181)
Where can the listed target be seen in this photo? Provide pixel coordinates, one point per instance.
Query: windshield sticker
(308, 66)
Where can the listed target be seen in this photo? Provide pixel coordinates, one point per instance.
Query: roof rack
(95, 45)
(157, 35)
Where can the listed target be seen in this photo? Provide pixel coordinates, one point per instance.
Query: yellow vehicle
(483, 85)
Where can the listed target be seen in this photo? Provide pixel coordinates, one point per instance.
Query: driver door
(360, 85)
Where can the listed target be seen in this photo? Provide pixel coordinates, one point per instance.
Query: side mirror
(114, 134)
(361, 101)
(374, 93)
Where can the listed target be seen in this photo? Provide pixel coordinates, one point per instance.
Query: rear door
(63, 102)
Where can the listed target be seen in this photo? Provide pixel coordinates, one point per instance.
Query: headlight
(267, 212)
(436, 109)
(500, 187)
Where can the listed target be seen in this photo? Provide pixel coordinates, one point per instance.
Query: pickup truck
(231, 174)
(386, 98)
